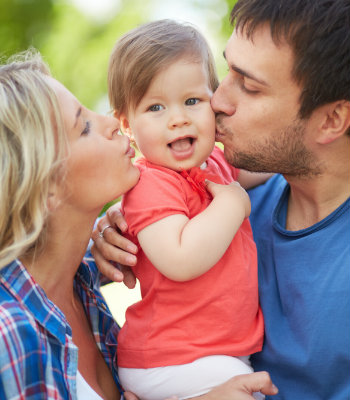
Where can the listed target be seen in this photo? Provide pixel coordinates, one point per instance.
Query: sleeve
(228, 171)
(157, 195)
(21, 359)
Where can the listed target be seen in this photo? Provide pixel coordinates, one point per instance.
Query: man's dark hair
(318, 32)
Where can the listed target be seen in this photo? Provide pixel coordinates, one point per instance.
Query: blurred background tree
(76, 36)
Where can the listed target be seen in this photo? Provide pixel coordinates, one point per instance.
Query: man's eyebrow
(77, 115)
(245, 73)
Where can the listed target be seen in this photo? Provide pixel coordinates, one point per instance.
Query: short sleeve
(157, 195)
(219, 163)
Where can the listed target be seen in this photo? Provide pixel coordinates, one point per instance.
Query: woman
(60, 163)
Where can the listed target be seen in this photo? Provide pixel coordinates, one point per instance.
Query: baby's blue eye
(155, 107)
(192, 101)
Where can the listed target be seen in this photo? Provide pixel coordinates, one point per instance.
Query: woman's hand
(111, 248)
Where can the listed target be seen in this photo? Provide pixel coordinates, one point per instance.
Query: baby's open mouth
(183, 144)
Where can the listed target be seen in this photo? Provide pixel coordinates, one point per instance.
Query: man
(284, 107)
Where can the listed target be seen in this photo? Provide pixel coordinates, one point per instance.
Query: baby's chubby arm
(183, 249)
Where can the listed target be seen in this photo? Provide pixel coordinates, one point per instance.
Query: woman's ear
(335, 121)
(53, 199)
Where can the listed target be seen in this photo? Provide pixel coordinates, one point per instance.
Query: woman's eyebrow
(77, 115)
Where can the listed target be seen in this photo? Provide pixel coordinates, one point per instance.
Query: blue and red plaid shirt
(38, 359)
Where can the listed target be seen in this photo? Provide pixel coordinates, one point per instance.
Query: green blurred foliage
(79, 55)
(23, 22)
(226, 24)
(77, 46)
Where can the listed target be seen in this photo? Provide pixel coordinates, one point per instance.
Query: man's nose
(222, 100)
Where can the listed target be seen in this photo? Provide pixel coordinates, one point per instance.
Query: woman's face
(99, 168)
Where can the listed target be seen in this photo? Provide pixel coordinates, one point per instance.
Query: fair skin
(174, 127)
(97, 156)
(261, 131)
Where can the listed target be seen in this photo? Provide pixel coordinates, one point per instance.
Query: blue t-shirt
(304, 287)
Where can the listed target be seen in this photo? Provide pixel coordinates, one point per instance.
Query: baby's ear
(125, 126)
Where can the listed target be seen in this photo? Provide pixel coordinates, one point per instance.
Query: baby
(199, 317)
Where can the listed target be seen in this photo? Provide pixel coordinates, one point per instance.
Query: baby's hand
(234, 189)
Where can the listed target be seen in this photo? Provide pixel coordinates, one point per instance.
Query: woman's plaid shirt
(38, 359)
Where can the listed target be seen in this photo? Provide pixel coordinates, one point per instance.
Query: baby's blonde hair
(32, 147)
(144, 51)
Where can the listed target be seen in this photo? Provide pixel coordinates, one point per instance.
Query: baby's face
(174, 125)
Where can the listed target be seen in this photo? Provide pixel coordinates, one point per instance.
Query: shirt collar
(21, 285)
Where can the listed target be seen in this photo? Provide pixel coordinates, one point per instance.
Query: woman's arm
(182, 248)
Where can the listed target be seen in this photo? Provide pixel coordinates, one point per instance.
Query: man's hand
(130, 396)
(112, 248)
(242, 387)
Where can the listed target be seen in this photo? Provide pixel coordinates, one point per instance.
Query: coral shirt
(216, 313)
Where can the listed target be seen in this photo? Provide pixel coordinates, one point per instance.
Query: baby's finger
(116, 217)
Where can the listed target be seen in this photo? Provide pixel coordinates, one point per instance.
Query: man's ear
(335, 121)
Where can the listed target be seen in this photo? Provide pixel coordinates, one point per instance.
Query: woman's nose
(222, 101)
(112, 126)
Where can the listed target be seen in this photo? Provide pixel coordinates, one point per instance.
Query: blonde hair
(142, 52)
(32, 145)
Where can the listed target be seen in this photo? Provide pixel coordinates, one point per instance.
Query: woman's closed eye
(87, 127)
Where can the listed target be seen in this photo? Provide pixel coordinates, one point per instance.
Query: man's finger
(259, 382)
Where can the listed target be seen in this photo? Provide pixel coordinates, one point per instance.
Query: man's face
(257, 107)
